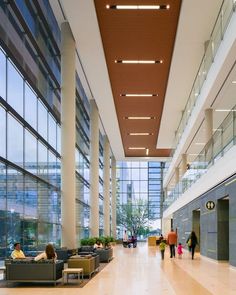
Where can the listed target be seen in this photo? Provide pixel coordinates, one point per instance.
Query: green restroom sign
(210, 205)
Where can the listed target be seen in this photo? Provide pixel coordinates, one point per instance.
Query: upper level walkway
(141, 271)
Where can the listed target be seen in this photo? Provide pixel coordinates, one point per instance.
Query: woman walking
(192, 242)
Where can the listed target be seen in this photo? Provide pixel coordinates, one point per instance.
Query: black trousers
(162, 254)
(193, 250)
(172, 250)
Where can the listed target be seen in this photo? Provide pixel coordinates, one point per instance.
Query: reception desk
(152, 241)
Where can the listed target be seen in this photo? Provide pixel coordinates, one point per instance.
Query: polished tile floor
(141, 271)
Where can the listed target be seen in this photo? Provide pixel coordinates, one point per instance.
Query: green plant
(100, 240)
(106, 241)
(91, 241)
(84, 242)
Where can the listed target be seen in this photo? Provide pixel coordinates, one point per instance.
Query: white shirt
(43, 256)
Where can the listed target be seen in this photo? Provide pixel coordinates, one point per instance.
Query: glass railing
(226, 11)
(221, 141)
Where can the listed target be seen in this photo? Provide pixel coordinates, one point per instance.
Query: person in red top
(172, 240)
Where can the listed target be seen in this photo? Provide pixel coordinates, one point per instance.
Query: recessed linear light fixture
(217, 129)
(147, 152)
(139, 95)
(139, 118)
(139, 61)
(137, 148)
(222, 110)
(140, 133)
(142, 7)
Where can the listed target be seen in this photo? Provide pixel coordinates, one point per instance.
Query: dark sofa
(28, 270)
(105, 254)
(64, 253)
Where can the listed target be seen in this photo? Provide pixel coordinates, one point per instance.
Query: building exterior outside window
(139, 184)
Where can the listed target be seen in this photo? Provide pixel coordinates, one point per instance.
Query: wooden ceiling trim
(138, 35)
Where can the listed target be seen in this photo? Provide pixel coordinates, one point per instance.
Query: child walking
(180, 250)
(162, 247)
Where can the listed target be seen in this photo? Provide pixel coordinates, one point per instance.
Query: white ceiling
(188, 52)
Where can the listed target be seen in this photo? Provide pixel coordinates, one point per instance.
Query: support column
(183, 164)
(166, 226)
(94, 169)
(68, 181)
(106, 186)
(176, 175)
(113, 198)
(208, 124)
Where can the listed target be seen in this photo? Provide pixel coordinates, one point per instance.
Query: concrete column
(165, 190)
(68, 180)
(94, 170)
(106, 186)
(113, 198)
(208, 124)
(206, 43)
(166, 226)
(184, 163)
(176, 175)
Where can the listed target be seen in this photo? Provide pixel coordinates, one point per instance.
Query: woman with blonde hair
(49, 253)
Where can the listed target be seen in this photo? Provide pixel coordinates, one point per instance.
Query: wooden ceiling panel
(138, 35)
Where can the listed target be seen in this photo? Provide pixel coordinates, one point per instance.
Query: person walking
(180, 250)
(162, 247)
(125, 239)
(192, 242)
(172, 240)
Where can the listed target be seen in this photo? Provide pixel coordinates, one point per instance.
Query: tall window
(139, 191)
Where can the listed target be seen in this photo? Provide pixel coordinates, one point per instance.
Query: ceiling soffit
(138, 35)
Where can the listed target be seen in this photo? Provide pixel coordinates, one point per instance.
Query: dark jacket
(194, 240)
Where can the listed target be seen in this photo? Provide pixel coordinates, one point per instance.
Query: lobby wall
(212, 239)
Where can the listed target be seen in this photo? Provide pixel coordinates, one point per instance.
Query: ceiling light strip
(137, 148)
(225, 110)
(147, 152)
(135, 7)
(138, 95)
(139, 118)
(139, 61)
(140, 133)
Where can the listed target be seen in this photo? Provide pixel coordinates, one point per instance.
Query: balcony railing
(217, 35)
(221, 141)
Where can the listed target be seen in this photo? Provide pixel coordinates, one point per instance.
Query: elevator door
(196, 227)
(223, 229)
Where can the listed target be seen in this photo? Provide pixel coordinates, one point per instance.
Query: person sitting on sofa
(17, 253)
(49, 253)
(98, 244)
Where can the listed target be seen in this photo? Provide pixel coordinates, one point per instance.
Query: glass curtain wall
(101, 198)
(139, 195)
(82, 163)
(30, 197)
(30, 132)
(29, 165)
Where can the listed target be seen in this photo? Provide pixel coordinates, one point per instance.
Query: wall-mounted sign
(210, 205)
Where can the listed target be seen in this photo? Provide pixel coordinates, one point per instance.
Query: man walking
(172, 240)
